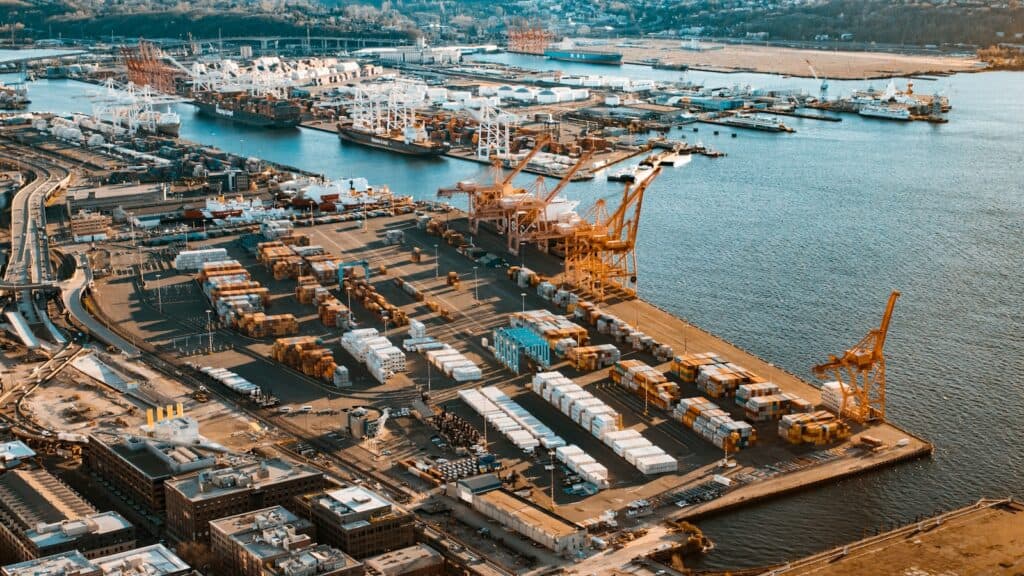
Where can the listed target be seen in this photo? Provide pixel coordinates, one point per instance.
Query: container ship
(410, 141)
(584, 56)
(260, 111)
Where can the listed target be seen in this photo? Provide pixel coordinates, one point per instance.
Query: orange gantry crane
(485, 201)
(600, 255)
(529, 220)
(861, 372)
(146, 67)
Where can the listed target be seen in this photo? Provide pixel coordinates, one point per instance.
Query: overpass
(28, 267)
(345, 43)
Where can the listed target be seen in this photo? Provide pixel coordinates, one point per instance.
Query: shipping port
(583, 397)
(482, 355)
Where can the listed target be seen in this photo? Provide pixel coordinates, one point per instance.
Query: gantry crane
(600, 256)
(485, 200)
(529, 220)
(861, 372)
(823, 90)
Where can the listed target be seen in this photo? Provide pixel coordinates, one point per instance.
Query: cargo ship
(584, 56)
(410, 141)
(259, 111)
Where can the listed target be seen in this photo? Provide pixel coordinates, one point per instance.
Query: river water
(789, 247)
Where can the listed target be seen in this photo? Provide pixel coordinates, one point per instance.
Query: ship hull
(411, 149)
(584, 57)
(247, 118)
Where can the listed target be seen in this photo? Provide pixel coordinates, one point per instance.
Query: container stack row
(453, 363)
(621, 330)
(832, 398)
(601, 421)
(233, 381)
(194, 259)
(382, 358)
(640, 452)
(365, 293)
(307, 355)
(523, 277)
(646, 382)
(714, 424)
(583, 464)
(590, 358)
(764, 401)
(821, 427)
(260, 325)
(550, 327)
(409, 289)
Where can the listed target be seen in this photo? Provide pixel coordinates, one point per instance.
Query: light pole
(476, 286)
(209, 331)
(522, 296)
(385, 317)
(159, 295)
(551, 462)
(437, 264)
(348, 290)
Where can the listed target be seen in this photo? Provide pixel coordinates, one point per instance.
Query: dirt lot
(791, 61)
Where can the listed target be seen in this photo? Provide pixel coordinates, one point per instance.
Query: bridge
(265, 43)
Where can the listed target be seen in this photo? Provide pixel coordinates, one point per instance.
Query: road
(29, 262)
(72, 291)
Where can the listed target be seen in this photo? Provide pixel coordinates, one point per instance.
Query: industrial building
(360, 522)
(40, 515)
(14, 454)
(139, 466)
(104, 199)
(89, 226)
(193, 501)
(242, 544)
(531, 521)
(418, 560)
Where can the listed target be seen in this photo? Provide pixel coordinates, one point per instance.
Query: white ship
(886, 112)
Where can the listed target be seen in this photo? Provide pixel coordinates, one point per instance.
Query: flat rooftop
(529, 514)
(36, 496)
(216, 483)
(404, 560)
(354, 500)
(155, 560)
(63, 564)
(317, 559)
(264, 533)
(14, 451)
(153, 458)
(70, 530)
(986, 538)
(112, 191)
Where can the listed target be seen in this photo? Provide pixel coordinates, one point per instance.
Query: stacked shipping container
(646, 382)
(714, 424)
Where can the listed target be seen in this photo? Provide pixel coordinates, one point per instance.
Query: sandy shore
(791, 61)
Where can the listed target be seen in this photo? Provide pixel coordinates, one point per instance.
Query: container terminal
(493, 363)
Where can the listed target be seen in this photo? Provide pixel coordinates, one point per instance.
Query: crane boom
(860, 372)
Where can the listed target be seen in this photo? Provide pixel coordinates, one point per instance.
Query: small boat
(627, 174)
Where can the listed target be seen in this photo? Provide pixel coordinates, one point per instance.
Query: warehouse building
(360, 522)
(104, 199)
(193, 501)
(531, 521)
(40, 516)
(418, 560)
(89, 226)
(138, 467)
(242, 544)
